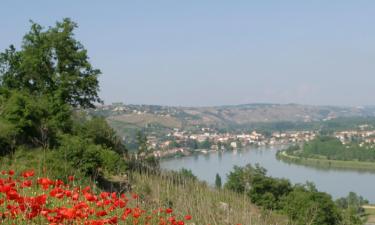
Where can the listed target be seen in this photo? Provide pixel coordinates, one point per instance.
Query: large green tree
(42, 82)
(51, 62)
(43, 88)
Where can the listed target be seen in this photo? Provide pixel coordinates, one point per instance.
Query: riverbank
(326, 163)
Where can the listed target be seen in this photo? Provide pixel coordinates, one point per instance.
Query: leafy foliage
(41, 87)
(87, 156)
(51, 62)
(303, 204)
(268, 192)
(311, 207)
(240, 179)
(352, 205)
(98, 130)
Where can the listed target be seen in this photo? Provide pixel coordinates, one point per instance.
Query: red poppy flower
(188, 217)
(45, 182)
(28, 173)
(26, 183)
(101, 213)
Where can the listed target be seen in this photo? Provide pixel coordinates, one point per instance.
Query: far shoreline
(326, 163)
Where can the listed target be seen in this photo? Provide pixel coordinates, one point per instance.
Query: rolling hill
(155, 117)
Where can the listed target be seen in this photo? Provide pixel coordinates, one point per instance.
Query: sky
(216, 52)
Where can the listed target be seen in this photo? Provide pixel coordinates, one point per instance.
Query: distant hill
(123, 116)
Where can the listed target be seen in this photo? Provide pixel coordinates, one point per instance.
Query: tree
(241, 178)
(191, 143)
(311, 207)
(174, 144)
(352, 207)
(101, 133)
(142, 143)
(268, 192)
(36, 119)
(90, 158)
(206, 144)
(218, 181)
(51, 62)
(43, 81)
(41, 85)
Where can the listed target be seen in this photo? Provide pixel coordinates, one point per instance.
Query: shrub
(90, 158)
(310, 207)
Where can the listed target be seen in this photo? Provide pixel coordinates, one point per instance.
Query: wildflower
(64, 204)
(45, 182)
(28, 173)
(26, 183)
(188, 217)
(135, 196)
(101, 213)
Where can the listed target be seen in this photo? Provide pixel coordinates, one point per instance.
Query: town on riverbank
(349, 149)
(182, 143)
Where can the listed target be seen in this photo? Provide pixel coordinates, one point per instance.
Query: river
(338, 183)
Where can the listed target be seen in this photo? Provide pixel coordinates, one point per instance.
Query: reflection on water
(336, 182)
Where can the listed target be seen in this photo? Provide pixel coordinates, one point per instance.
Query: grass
(327, 163)
(43, 162)
(208, 205)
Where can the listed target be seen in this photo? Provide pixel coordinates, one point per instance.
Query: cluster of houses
(223, 141)
(361, 136)
(231, 141)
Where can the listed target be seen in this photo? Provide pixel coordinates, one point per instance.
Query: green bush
(98, 130)
(311, 207)
(241, 178)
(88, 157)
(268, 192)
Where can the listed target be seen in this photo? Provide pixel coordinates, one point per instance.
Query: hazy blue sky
(218, 52)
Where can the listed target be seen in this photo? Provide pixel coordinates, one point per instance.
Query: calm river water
(336, 182)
